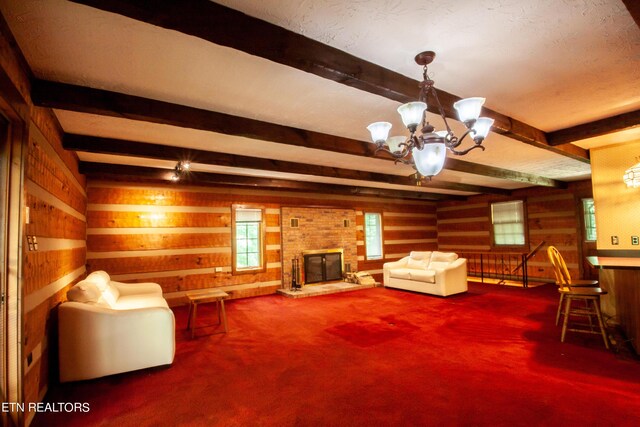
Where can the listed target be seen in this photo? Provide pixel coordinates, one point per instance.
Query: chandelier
(631, 176)
(426, 151)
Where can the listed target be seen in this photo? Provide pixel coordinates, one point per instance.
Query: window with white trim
(508, 223)
(248, 235)
(589, 210)
(373, 235)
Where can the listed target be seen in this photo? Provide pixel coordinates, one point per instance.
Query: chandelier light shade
(379, 131)
(482, 127)
(394, 143)
(631, 176)
(469, 109)
(412, 113)
(424, 148)
(430, 160)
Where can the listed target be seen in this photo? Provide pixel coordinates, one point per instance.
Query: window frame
(584, 220)
(525, 229)
(364, 233)
(262, 244)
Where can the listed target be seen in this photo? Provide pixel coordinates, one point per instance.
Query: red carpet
(377, 357)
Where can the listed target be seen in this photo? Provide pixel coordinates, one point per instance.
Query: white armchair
(436, 273)
(109, 327)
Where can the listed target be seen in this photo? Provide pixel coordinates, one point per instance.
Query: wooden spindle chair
(571, 290)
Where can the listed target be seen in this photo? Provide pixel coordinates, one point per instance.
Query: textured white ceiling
(549, 63)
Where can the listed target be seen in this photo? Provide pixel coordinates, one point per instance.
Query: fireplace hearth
(323, 265)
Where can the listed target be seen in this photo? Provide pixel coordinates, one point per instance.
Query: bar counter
(620, 276)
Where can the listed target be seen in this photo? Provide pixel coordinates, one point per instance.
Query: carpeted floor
(376, 357)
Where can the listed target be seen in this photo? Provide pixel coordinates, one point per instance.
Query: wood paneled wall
(54, 193)
(553, 216)
(406, 227)
(180, 236)
(55, 196)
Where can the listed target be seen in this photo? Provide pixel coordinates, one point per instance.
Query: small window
(508, 223)
(373, 235)
(589, 210)
(248, 239)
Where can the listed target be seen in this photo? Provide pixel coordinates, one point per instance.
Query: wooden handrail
(529, 256)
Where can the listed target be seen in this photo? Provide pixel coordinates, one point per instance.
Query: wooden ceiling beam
(105, 103)
(120, 147)
(633, 6)
(96, 101)
(228, 27)
(119, 172)
(495, 172)
(599, 127)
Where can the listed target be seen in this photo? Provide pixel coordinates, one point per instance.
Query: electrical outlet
(614, 240)
(635, 240)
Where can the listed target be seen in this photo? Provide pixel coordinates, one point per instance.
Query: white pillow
(420, 256)
(111, 295)
(84, 291)
(444, 256)
(417, 265)
(100, 278)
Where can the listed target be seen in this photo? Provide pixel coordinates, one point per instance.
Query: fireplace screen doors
(322, 267)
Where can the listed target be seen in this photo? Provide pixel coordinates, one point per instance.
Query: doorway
(4, 192)
(11, 161)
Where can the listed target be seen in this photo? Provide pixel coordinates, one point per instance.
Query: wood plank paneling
(132, 242)
(117, 210)
(100, 219)
(405, 248)
(464, 212)
(552, 215)
(409, 221)
(48, 221)
(409, 234)
(482, 224)
(41, 268)
(45, 171)
(148, 264)
(131, 223)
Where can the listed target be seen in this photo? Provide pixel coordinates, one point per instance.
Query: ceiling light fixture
(180, 169)
(631, 176)
(427, 151)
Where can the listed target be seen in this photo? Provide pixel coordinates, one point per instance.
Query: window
(373, 235)
(248, 239)
(589, 210)
(508, 223)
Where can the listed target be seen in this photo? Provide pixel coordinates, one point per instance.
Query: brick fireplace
(317, 230)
